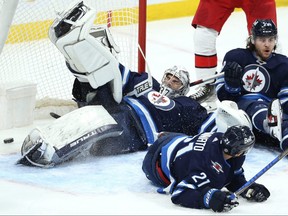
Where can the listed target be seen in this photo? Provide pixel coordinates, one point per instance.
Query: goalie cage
(28, 54)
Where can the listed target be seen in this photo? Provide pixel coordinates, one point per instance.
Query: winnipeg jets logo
(253, 81)
(160, 101)
(216, 166)
(157, 98)
(256, 78)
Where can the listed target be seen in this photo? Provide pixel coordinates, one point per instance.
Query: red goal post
(26, 53)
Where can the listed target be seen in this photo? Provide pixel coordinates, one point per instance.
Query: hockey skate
(204, 93)
(274, 119)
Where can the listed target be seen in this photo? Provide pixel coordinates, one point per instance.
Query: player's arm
(196, 192)
(256, 192)
(229, 87)
(135, 83)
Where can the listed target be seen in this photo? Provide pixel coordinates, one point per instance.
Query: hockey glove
(256, 192)
(219, 201)
(232, 77)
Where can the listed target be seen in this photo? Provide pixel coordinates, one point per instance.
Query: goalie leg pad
(102, 33)
(64, 140)
(89, 58)
(228, 114)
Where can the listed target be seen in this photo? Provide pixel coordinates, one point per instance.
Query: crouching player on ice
(195, 170)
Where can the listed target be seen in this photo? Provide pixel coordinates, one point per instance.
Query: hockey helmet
(238, 139)
(182, 74)
(263, 28)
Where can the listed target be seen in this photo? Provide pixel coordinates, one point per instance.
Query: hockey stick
(206, 79)
(260, 173)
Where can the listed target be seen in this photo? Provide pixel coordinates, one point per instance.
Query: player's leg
(68, 137)
(265, 117)
(208, 21)
(228, 114)
(258, 9)
(131, 139)
(89, 50)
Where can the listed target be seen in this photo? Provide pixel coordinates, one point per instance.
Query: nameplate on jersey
(160, 101)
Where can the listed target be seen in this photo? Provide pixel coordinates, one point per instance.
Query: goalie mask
(175, 82)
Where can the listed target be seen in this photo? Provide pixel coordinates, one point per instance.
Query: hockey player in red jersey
(208, 22)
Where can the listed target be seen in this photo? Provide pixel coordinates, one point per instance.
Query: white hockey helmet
(182, 74)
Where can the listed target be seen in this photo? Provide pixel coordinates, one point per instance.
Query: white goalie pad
(90, 50)
(228, 114)
(68, 136)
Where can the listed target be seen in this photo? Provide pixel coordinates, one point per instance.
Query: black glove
(256, 192)
(232, 77)
(219, 201)
(83, 93)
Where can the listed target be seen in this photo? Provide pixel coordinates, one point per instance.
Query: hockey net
(28, 54)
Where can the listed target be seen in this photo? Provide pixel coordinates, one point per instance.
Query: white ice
(116, 185)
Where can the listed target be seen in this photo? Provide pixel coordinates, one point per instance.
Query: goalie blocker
(64, 140)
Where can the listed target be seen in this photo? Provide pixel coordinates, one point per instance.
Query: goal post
(28, 54)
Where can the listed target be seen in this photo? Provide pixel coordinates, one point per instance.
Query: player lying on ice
(201, 171)
(121, 111)
(256, 78)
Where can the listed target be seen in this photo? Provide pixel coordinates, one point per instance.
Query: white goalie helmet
(172, 87)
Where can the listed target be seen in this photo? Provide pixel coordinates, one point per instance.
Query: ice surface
(116, 185)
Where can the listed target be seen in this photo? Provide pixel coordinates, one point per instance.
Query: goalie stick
(197, 82)
(260, 173)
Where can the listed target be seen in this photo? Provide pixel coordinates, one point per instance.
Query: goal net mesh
(29, 55)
